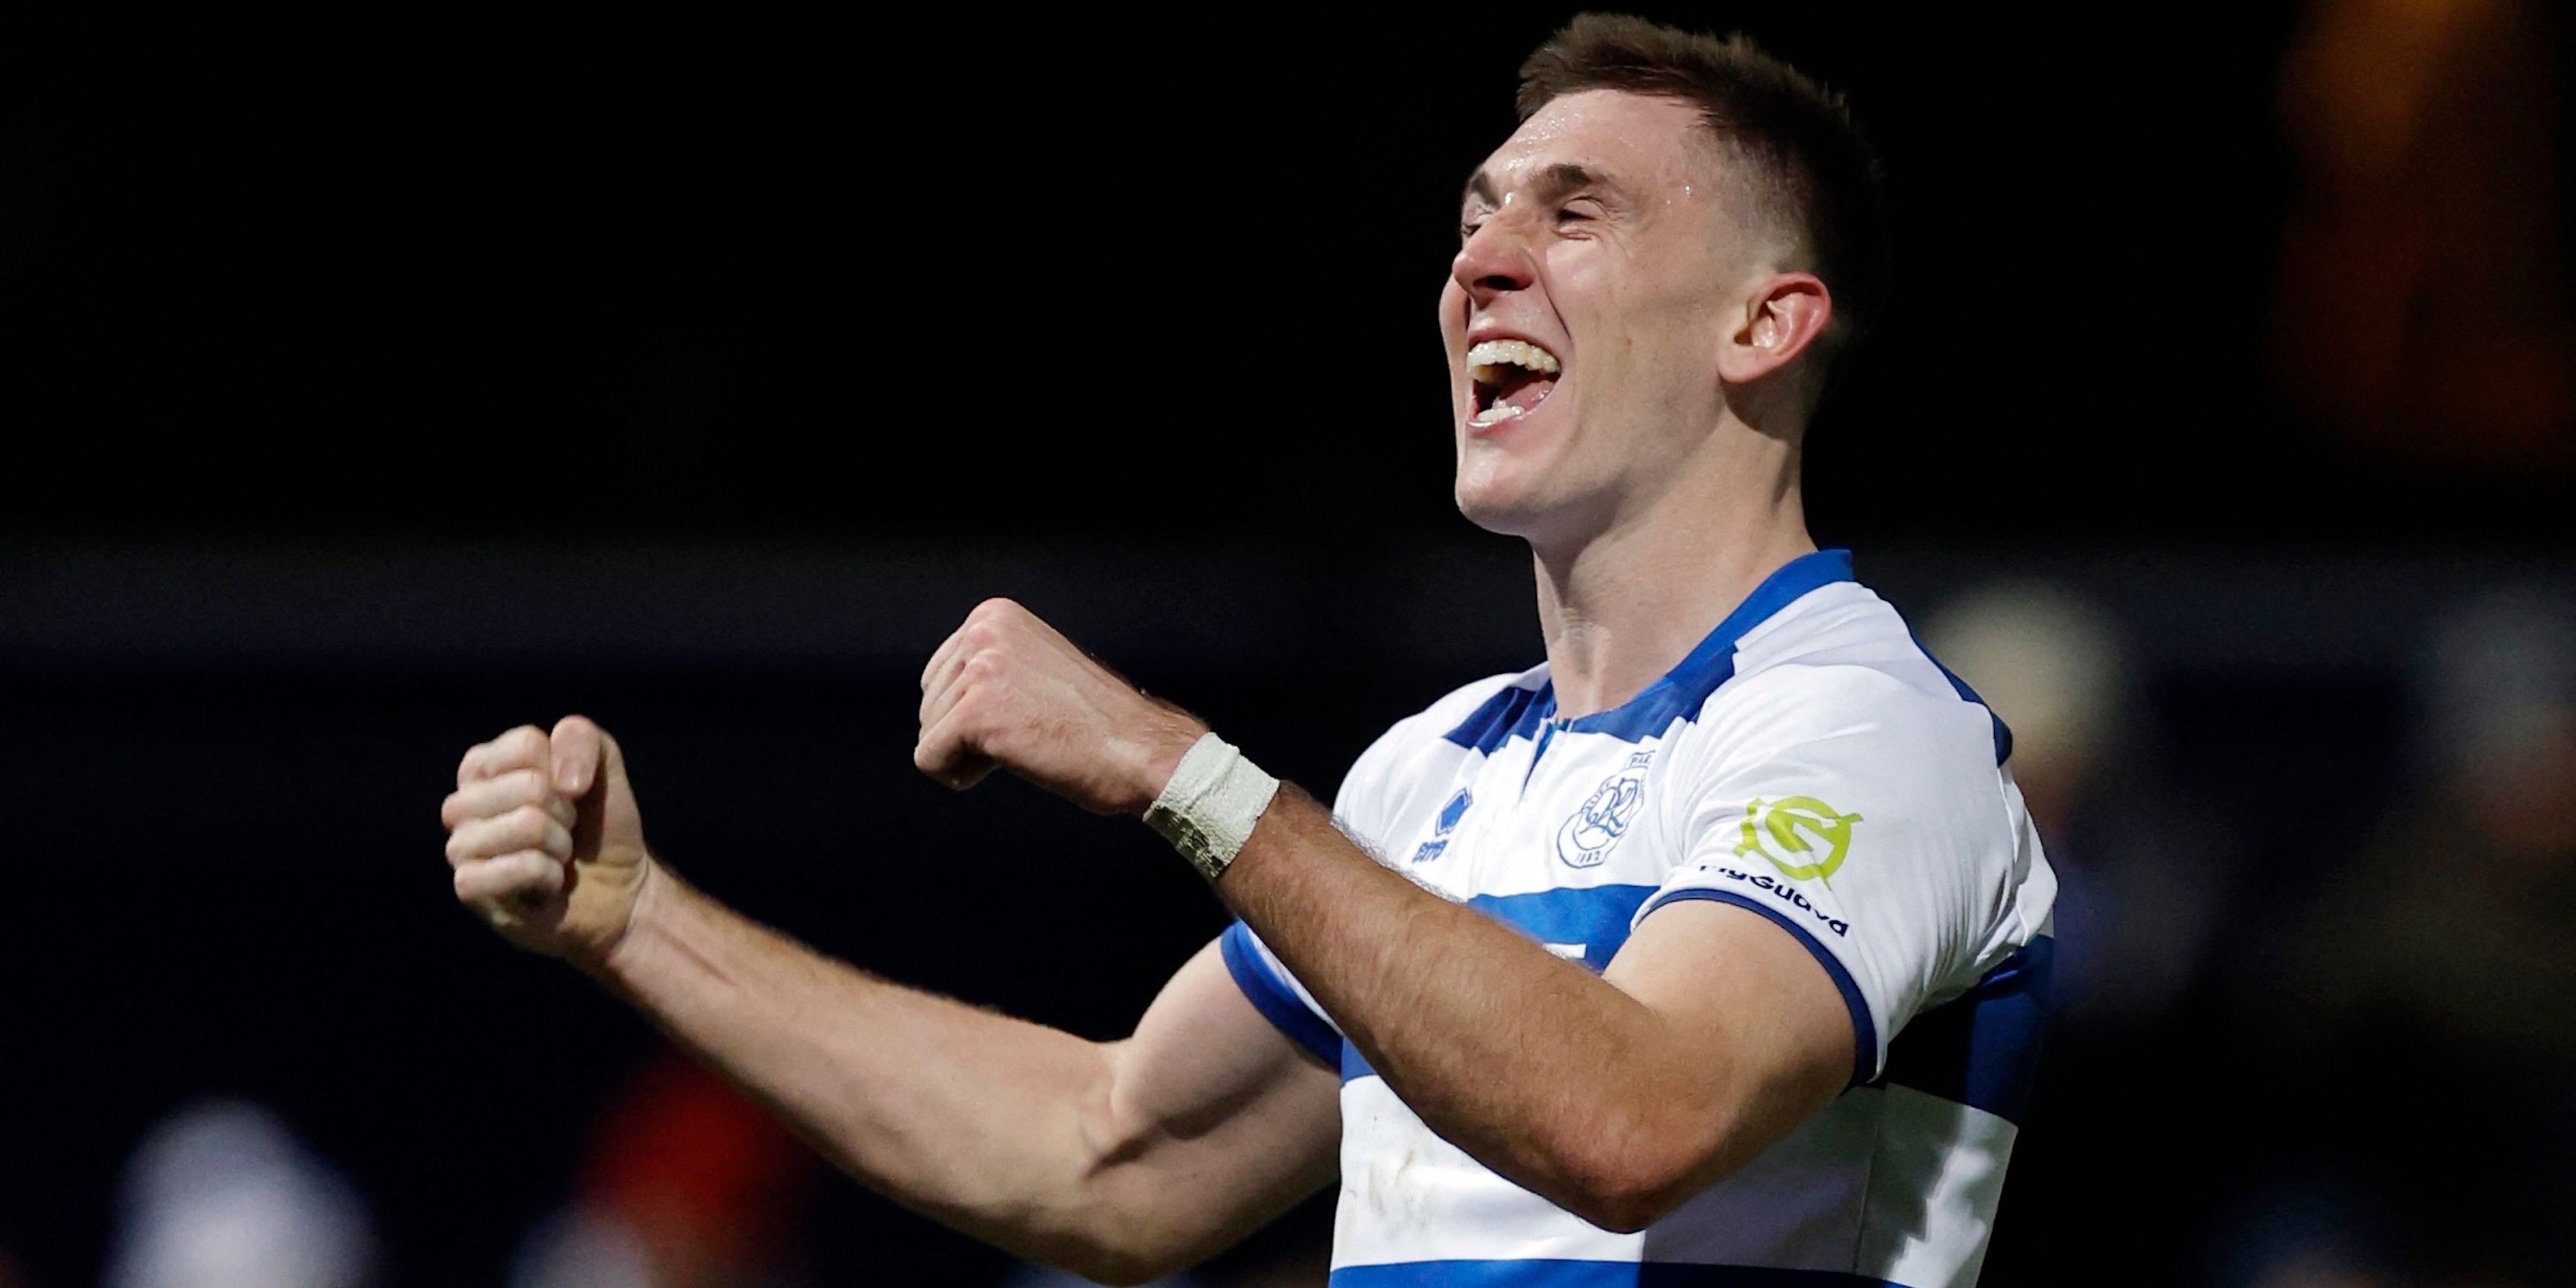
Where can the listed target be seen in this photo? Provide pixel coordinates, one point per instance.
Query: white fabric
(1575, 831)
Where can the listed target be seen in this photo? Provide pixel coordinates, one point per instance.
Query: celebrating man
(1707, 952)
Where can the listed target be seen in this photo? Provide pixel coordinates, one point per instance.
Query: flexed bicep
(1217, 1121)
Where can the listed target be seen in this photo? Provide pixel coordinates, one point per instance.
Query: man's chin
(1498, 510)
(1511, 484)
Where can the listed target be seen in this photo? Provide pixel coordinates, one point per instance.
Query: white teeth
(1484, 365)
(1520, 353)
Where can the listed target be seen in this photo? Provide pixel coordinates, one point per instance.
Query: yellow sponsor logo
(1797, 826)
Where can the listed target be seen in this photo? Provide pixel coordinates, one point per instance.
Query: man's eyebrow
(1552, 184)
(1480, 187)
(1565, 177)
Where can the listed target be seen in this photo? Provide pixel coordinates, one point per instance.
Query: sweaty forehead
(1651, 144)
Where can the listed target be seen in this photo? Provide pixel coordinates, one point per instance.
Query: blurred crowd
(687, 1185)
(2369, 1055)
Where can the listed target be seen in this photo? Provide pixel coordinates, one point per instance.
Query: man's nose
(1496, 259)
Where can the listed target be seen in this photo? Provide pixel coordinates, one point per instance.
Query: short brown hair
(1812, 171)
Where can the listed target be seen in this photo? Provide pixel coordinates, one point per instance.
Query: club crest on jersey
(1586, 838)
(1441, 828)
(1782, 821)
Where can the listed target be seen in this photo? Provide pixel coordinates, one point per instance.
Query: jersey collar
(1518, 712)
(1683, 690)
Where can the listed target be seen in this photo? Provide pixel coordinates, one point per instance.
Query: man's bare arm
(1711, 1036)
(1118, 1160)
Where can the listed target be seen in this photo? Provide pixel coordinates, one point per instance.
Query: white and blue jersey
(1807, 761)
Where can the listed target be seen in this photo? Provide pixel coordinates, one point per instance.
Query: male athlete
(1708, 952)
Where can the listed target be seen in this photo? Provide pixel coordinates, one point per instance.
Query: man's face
(1602, 254)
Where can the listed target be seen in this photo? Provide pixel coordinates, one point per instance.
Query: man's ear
(1782, 316)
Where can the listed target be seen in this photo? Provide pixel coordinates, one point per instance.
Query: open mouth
(1512, 377)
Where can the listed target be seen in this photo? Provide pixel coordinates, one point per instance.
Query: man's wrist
(1210, 803)
(656, 894)
(1159, 758)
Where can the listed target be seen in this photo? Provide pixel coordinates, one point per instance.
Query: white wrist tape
(1208, 809)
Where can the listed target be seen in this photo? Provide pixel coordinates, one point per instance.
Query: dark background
(371, 384)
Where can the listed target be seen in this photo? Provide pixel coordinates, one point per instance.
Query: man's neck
(1623, 607)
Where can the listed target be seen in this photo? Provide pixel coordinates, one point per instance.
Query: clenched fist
(545, 841)
(1007, 690)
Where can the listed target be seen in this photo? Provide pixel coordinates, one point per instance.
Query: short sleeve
(1277, 994)
(1359, 809)
(1865, 818)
